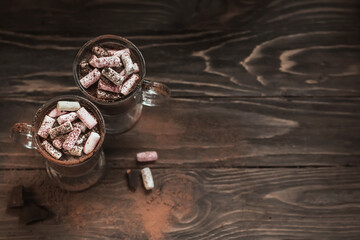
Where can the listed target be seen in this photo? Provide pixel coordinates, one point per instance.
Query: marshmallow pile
(69, 130)
(113, 70)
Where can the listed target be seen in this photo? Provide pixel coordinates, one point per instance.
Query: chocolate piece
(16, 197)
(62, 129)
(107, 95)
(69, 142)
(99, 51)
(133, 179)
(51, 150)
(31, 213)
(113, 76)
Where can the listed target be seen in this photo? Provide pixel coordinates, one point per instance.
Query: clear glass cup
(71, 176)
(123, 114)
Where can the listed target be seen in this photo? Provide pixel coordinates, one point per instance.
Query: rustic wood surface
(260, 139)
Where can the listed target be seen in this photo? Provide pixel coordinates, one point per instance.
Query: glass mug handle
(22, 133)
(154, 93)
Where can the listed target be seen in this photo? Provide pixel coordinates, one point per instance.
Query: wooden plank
(231, 132)
(217, 48)
(316, 203)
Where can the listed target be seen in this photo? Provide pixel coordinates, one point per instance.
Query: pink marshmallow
(90, 78)
(55, 113)
(108, 86)
(86, 118)
(67, 118)
(129, 84)
(118, 53)
(91, 142)
(112, 61)
(136, 68)
(71, 139)
(58, 141)
(128, 63)
(147, 156)
(45, 127)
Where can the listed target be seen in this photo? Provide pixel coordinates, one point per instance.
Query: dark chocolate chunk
(133, 179)
(31, 213)
(17, 197)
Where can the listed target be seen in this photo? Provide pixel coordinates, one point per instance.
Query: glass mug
(67, 175)
(122, 114)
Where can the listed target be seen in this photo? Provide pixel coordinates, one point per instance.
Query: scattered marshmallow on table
(67, 106)
(45, 127)
(56, 113)
(91, 142)
(129, 84)
(71, 139)
(51, 150)
(86, 118)
(149, 156)
(147, 178)
(69, 117)
(91, 78)
(59, 130)
(112, 61)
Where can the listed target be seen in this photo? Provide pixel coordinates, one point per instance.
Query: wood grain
(198, 48)
(316, 203)
(227, 132)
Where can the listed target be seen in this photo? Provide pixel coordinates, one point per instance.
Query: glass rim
(36, 122)
(102, 38)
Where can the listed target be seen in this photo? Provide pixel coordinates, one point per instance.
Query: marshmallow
(58, 141)
(45, 127)
(147, 178)
(113, 76)
(106, 85)
(118, 53)
(86, 118)
(136, 68)
(129, 84)
(56, 113)
(101, 62)
(147, 156)
(128, 63)
(67, 118)
(62, 129)
(76, 151)
(69, 142)
(68, 106)
(90, 78)
(51, 150)
(80, 125)
(91, 142)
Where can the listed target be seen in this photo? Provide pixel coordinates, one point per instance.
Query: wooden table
(260, 139)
